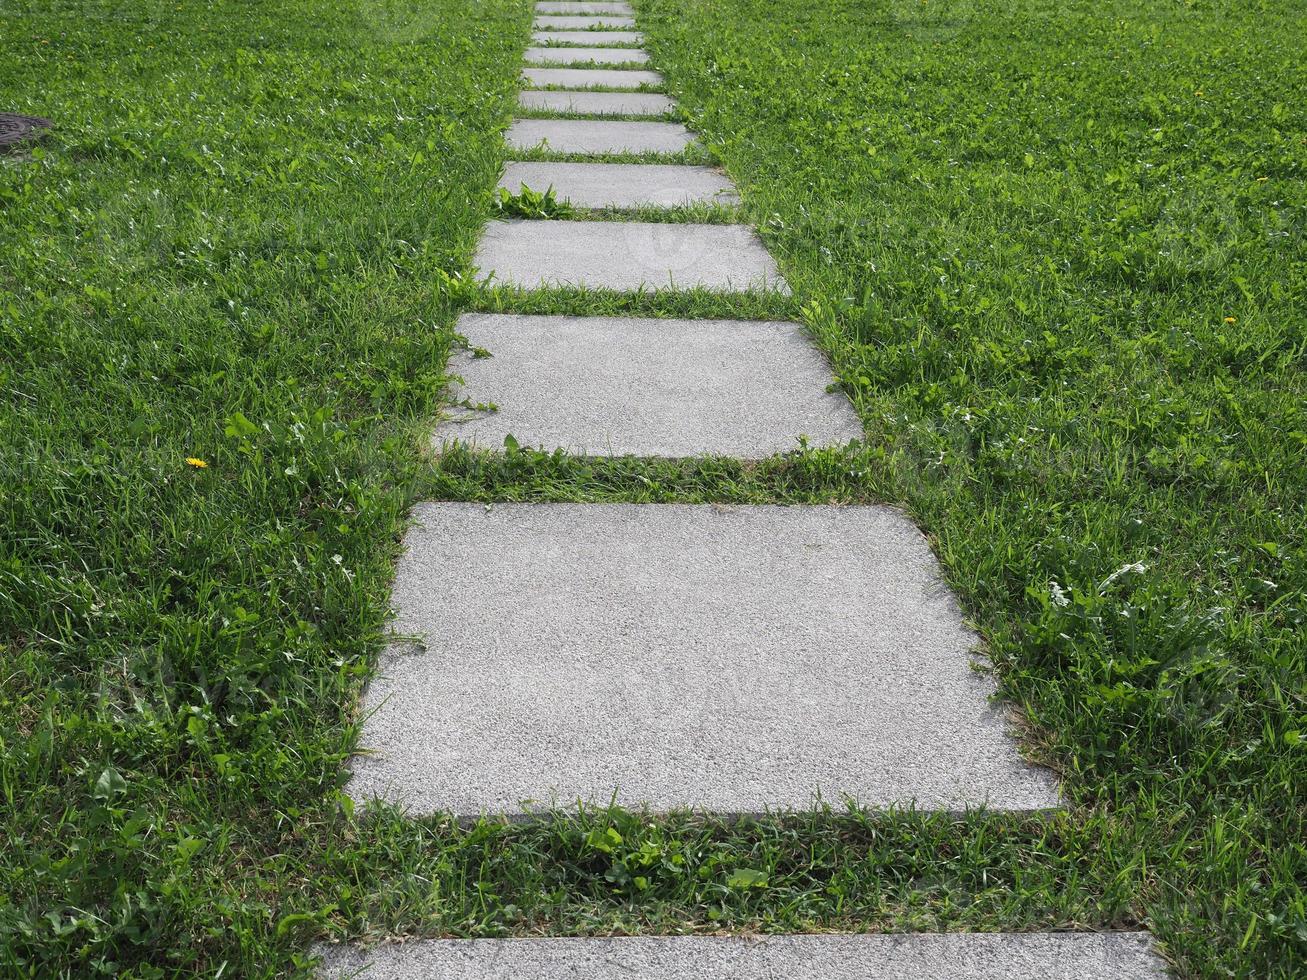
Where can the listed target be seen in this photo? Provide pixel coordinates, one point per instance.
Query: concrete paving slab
(728, 659)
(615, 386)
(625, 255)
(582, 78)
(573, 7)
(587, 38)
(623, 185)
(910, 956)
(598, 136)
(599, 103)
(551, 23)
(583, 56)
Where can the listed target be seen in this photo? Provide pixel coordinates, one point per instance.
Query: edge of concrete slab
(867, 956)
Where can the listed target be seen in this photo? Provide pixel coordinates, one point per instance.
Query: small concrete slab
(583, 56)
(587, 38)
(582, 78)
(573, 7)
(910, 956)
(616, 386)
(729, 659)
(602, 22)
(625, 255)
(622, 185)
(599, 103)
(598, 136)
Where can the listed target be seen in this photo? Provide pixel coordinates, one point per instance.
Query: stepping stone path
(608, 386)
(622, 185)
(572, 56)
(598, 103)
(732, 660)
(583, 39)
(626, 255)
(598, 136)
(590, 78)
(582, 23)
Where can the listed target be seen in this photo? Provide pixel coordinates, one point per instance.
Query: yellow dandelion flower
(198, 463)
(1229, 319)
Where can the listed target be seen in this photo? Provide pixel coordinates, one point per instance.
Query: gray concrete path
(728, 659)
(612, 386)
(598, 103)
(625, 255)
(622, 185)
(581, 56)
(598, 136)
(958, 956)
(583, 78)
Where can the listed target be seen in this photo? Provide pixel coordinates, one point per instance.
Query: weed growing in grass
(528, 203)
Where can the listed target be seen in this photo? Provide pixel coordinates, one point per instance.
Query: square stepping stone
(570, 7)
(622, 185)
(598, 103)
(615, 386)
(582, 56)
(728, 659)
(549, 23)
(587, 38)
(909, 956)
(581, 78)
(598, 136)
(625, 255)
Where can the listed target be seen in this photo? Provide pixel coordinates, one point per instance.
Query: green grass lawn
(1056, 254)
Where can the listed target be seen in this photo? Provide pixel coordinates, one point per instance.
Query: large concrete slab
(729, 659)
(625, 255)
(573, 7)
(613, 386)
(581, 78)
(598, 136)
(622, 185)
(911, 956)
(549, 23)
(599, 103)
(587, 38)
(583, 56)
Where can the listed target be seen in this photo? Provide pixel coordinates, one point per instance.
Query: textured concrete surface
(730, 659)
(598, 39)
(591, 77)
(549, 23)
(611, 386)
(598, 136)
(577, 56)
(625, 185)
(573, 7)
(598, 103)
(913, 956)
(626, 255)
